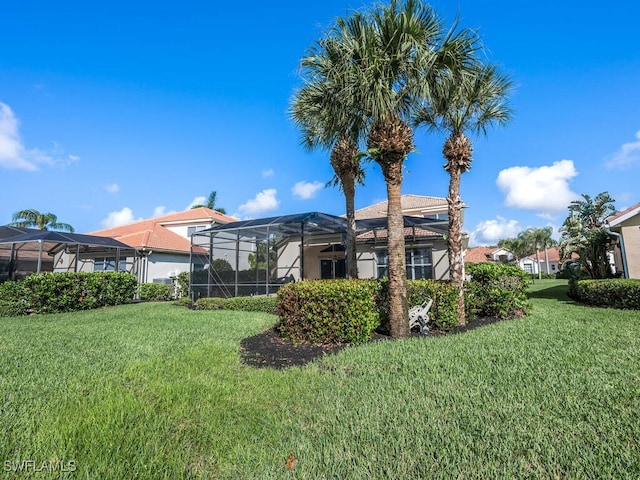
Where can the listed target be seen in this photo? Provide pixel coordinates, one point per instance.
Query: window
(194, 229)
(418, 260)
(108, 264)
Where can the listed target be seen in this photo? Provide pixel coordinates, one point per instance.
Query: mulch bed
(268, 349)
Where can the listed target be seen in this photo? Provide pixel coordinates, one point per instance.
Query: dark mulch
(268, 349)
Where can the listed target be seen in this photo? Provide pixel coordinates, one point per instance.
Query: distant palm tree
(211, 203)
(537, 239)
(469, 100)
(42, 221)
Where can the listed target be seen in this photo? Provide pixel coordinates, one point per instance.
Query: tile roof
(152, 233)
(411, 205)
(479, 254)
(620, 216)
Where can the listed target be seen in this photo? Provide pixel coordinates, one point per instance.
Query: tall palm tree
(211, 203)
(539, 239)
(331, 120)
(465, 101)
(42, 221)
(398, 52)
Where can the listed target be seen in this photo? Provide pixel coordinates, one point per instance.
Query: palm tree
(396, 52)
(331, 120)
(464, 101)
(540, 238)
(211, 203)
(42, 221)
(583, 233)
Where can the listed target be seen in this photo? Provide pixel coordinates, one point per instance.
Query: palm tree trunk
(349, 189)
(454, 241)
(398, 308)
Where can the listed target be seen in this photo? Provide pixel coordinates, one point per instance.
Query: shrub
(613, 293)
(156, 292)
(497, 290)
(183, 284)
(65, 292)
(212, 303)
(13, 300)
(183, 302)
(328, 311)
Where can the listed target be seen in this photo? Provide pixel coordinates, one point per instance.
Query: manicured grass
(156, 391)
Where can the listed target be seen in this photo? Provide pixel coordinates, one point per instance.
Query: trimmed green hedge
(156, 292)
(497, 290)
(65, 292)
(612, 293)
(328, 311)
(247, 304)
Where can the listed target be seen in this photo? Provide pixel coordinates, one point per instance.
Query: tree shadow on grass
(557, 292)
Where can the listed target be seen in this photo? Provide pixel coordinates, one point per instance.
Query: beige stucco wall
(631, 234)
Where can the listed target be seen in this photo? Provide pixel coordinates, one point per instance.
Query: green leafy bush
(156, 292)
(497, 290)
(613, 293)
(65, 292)
(328, 311)
(13, 299)
(183, 302)
(183, 284)
(246, 304)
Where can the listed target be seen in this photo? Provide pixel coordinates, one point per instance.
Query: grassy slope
(153, 391)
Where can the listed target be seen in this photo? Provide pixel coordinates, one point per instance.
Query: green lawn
(156, 391)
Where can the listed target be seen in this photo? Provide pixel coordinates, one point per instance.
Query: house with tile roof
(624, 227)
(163, 244)
(549, 259)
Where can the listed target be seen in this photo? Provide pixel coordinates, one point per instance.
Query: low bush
(66, 292)
(156, 292)
(496, 290)
(13, 299)
(183, 302)
(211, 303)
(246, 304)
(612, 293)
(328, 311)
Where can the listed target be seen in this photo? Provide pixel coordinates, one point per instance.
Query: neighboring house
(549, 259)
(625, 228)
(163, 244)
(312, 246)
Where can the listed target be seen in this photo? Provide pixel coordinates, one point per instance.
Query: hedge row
(156, 292)
(612, 293)
(328, 311)
(65, 292)
(247, 304)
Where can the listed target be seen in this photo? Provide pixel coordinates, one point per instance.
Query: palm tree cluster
(32, 218)
(373, 78)
(583, 233)
(530, 241)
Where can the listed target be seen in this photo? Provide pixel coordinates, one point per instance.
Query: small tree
(42, 221)
(583, 233)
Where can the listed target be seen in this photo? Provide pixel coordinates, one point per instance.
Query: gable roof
(479, 254)
(625, 214)
(411, 205)
(153, 234)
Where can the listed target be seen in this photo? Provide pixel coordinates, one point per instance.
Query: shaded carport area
(256, 257)
(24, 251)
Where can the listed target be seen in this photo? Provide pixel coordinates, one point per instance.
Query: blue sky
(116, 111)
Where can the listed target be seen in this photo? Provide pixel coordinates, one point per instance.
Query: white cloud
(627, 155)
(197, 201)
(306, 190)
(117, 218)
(268, 173)
(543, 189)
(112, 188)
(490, 231)
(264, 201)
(161, 210)
(13, 153)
